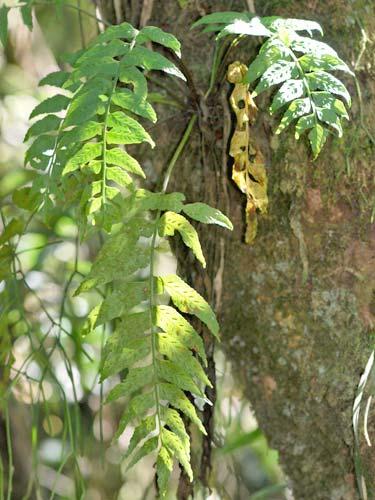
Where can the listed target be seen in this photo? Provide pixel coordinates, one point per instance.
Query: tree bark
(297, 306)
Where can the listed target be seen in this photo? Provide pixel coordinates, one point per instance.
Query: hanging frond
(160, 350)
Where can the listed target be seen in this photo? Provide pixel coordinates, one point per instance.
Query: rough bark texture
(297, 306)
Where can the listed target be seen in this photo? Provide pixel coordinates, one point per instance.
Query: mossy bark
(297, 306)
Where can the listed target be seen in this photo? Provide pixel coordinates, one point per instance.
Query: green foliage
(4, 24)
(79, 151)
(79, 142)
(299, 65)
(152, 340)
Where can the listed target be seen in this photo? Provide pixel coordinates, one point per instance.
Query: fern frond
(163, 354)
(79, 145)
(299, 65)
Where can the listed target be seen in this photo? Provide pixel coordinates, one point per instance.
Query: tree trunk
(297, 306)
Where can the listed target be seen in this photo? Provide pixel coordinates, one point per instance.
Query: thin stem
(81, 28)
(215, 64)
(178, 151)
(10, 453)
(40, 247)
(101, 396)
(151, 315)
(220, 58)
(104, 167)
(1, 479)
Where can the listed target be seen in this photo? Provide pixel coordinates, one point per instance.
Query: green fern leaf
(51, 105)
(81, 133)
(146, 200)
(81, 151)
(222, 18)
(164, 467)
(105, 269)
(89, 151)
(317, 137)
(175, 351)
(135, 77)
(171, 222)
(304, 123)
(122, 31)
(174, 373)
(326, 100)
(121, 158)
(177, 448)
(137, 406)
(144, 429)
(55, 79)
(130, 328)
(189, 301)
(126, 296)
(39, 153)
(126, 130)
(103, 52)
(50, 123)
(101, 67)
(176, 327)
(118, 175)
(298, 108)
(154, 34)
(275, 74)
(147, 448)
(149, 60)
(289, 91)
(178, 400)
(83, 108)
(324, 81)
(135, 351)
(135, 380)
(125, 98)
(206, 214)
(254, 27)
(174, 421)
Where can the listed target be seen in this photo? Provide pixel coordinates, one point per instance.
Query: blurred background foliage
(55, 437)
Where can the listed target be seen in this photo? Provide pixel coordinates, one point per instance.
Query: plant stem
(104, 156)
(178, 151)
(10, 452)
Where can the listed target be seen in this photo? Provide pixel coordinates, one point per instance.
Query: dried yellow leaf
(248, 171)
